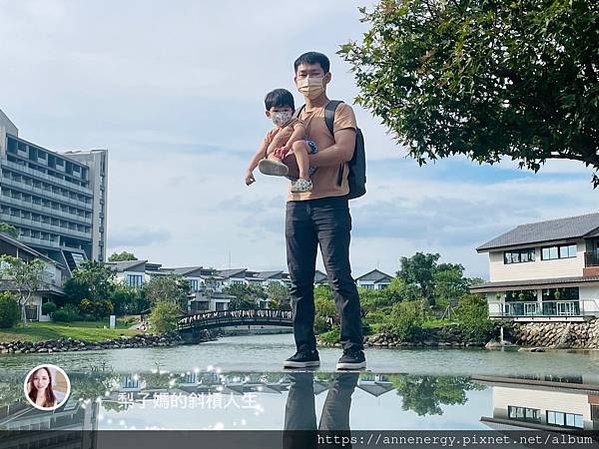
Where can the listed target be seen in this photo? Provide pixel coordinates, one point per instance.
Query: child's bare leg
(300, 150)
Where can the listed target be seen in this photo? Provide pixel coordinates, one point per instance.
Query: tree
(484, 79)
(246, 296)
(278, 295)
(170, 288)
(92, 280)
(24, 278)
(120, 257)
(473, 317)
(9, 230)
(164, 316)
(419, 271)
(450, 283)
(425, 394)
(9, 310)
(128, 299)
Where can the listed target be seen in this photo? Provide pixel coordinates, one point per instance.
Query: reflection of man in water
(300, 410)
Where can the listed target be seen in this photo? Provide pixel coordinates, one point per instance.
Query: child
(289, 135)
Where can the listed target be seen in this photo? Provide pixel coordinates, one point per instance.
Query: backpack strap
(297, 112)
(329, 115)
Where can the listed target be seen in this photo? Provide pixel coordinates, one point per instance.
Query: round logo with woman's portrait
(47, 387)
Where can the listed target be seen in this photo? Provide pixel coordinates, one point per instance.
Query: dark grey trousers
(326, 223)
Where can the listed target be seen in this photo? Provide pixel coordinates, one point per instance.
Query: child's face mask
(311, 87)
(279, 118)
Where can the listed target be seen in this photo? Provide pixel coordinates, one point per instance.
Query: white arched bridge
(192, 324)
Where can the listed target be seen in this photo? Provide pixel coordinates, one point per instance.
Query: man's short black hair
(313, 57)
(279, 98)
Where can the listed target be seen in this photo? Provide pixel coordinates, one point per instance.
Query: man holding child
(319, 216)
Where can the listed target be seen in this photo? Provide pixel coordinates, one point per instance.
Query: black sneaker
(305, 357)
(352, 358)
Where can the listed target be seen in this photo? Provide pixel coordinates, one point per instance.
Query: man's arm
(341, 151)
(299, 133)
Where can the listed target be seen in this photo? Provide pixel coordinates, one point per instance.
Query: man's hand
(249, 178)
(281, 152)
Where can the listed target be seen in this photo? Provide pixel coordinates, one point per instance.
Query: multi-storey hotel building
(56, 201)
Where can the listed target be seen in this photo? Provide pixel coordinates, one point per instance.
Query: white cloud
(175, 93)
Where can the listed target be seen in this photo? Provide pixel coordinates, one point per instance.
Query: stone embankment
(558, 335)
(69, 344)
(445, 337)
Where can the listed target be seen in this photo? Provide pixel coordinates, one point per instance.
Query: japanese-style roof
(375, 276)
(546, 231)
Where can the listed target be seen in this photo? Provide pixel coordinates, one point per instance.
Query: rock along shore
(69, 344)
(533, 336)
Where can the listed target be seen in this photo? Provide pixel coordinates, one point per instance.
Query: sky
(174, 91)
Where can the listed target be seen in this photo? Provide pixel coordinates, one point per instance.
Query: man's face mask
(311, 87)
(279, 118)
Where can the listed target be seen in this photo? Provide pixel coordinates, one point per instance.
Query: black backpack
(357, 165)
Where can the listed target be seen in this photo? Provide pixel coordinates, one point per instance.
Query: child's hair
(50, 398)
(279, 98)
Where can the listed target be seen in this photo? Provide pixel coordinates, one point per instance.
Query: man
(321, 217)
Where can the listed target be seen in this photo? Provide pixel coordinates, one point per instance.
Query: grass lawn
(79, 330)
(434, 324)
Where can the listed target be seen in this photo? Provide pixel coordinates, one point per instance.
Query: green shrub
(66, 314)
(164, 317)
(331, 336)
(10, 312)
(473, 318)
(407, 319)
(320, 325)
(99, 308)
(48, 308)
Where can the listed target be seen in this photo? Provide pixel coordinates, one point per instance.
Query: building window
(519, 256)
(193, 285)
(561, 294)
(558, 252)
(521, 295)
(595, 412)
(524, 414)
(135, 280)
(564, 419)
(368, 286)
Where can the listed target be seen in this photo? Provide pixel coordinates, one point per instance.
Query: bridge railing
(228, 316)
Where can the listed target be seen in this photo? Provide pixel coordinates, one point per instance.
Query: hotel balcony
(591, 263)
(571, 310)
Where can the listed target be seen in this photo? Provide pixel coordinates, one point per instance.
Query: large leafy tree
(171, 288)
(487, 79)
(418, 272)
(450, 283)
(9, 230)
(246, 296)
(24, 278)
(278, 295)
(92, 280)
(426, 395)
(123, 256)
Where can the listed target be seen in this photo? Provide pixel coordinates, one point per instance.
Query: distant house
(544, 271)
(130, 272)
(56, 273)
(543, 403)
(205, 285)
(320, 278)
(233, 276)
(374, 280)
